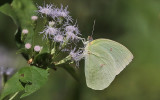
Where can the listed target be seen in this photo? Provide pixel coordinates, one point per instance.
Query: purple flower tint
(71, 36)
(61, 12)
(72, 32)
(37, 48)
(47, 10)
(73, 29)
(50, 31)
(24, 31)
(77, 55)
(34, 18)
(28, 45)
(58, 38)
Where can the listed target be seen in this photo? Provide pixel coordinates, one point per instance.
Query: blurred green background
(134, 23)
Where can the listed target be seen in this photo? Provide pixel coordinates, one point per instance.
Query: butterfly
(104, 59)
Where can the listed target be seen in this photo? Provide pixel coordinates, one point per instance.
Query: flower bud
(34, 18)
(37, 48)
(24, 31)
(28, 45)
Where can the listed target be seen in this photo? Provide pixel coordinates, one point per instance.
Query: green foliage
(12, 86)
(33, 78)
(21, 12)
(29, 79)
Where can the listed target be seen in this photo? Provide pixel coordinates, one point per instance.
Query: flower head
(71, 28)
(71, 35)
(50, 31)
(34, 18)
(77, 55)
(37, 48)
(58, 38)
(61, 12)
(24, 31)
(47, 10)
(28, 45)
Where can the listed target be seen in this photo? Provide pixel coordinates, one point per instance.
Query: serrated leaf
(29, 79)
(33, 78)
(13, 85)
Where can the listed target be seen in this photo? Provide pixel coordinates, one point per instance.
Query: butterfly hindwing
(104, 59)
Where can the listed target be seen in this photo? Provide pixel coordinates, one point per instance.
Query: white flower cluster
(60, 28)
(53, 31)
(54, 12)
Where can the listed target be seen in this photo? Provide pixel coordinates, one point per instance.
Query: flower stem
(14, 96)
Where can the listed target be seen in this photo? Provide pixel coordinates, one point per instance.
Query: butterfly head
(90, 39)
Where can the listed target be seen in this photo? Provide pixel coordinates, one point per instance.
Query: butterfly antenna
(93, 27)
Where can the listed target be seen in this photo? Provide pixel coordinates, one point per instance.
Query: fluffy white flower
(50, 31)
(58, 38)
(77, 55)
(25, 31)
(72, 29)
(71, 35)
(47, 10)
(37, 48)
(28, 45)
(34, 18)
(61, 12)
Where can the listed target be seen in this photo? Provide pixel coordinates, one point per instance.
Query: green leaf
(21, 11)
(12, 86)
(38, 38)
(33, 78)
(29, 79)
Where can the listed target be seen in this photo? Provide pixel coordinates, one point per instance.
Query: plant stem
(13, 96)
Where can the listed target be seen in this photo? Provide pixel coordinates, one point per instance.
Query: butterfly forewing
(104, 59)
